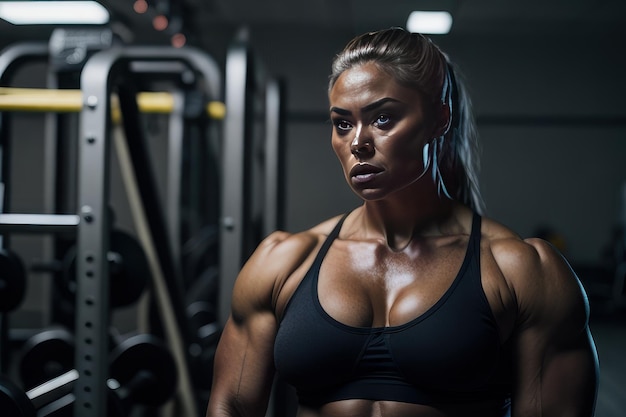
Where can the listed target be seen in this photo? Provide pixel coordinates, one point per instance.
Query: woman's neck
(399, 224)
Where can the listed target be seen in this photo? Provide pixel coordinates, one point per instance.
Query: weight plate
(46, 355)
(129, 271)
(12, 281)
(145, 366)
(13, 401)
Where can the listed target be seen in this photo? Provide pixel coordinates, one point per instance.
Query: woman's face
(379, 131)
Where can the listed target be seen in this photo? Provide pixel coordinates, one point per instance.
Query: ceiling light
(53, 12)
(434, 23)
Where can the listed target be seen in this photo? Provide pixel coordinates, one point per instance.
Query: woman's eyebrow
(372, 106)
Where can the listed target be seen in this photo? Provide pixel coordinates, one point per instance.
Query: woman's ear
(444, 120)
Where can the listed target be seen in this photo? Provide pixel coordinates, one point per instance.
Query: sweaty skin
(395, 257)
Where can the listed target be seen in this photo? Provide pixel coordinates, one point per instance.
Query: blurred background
(547, 79)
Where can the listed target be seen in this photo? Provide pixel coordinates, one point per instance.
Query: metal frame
(174, 165)
(97, 78)
(91, 224)
(274, 210)
(236, 200)
(10, 57)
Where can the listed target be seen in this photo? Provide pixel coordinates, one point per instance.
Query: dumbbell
(142, 371)
(52, 398)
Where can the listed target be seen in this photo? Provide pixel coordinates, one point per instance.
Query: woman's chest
(366, 285)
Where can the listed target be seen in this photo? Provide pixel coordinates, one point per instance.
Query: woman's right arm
(244, 361)
(243, 370)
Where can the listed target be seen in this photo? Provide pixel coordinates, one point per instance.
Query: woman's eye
(382, 120)
(342, 125)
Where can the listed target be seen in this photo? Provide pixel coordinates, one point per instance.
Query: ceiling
(470, 16)
(203, 21)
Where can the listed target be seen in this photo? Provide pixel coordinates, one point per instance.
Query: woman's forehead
(367, 82)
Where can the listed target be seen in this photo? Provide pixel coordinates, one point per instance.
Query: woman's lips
(363, 173)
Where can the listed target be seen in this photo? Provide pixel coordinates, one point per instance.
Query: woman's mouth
(363, 173)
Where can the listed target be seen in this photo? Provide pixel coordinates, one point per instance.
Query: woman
(413, 304)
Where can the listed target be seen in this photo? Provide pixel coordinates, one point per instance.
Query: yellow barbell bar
(68, 101)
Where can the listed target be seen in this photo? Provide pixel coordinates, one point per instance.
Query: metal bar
(233, 175)
(10, 58)
(13, 55)
(51, 390)
(273, 212)
(155, 216)
(55, 161)
(155, 238)
(38, 223)
(174, 176)
(92, 298)
(69, 100)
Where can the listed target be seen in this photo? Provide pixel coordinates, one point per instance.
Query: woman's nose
(361, 147)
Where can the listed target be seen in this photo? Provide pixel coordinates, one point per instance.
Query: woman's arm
(555, 364)
(244, 361)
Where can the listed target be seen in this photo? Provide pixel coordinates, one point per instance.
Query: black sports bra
(451, 354)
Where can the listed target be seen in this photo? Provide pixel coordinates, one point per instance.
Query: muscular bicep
(243, 369)
(555, 364)
(554, 378)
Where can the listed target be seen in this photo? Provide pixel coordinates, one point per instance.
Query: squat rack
(101, 75)
(98, 78)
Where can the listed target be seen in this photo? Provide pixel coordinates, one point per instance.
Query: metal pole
(233, 174)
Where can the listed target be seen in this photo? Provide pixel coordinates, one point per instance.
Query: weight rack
(100, 75)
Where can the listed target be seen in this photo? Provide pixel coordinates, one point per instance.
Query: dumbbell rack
(91, 224)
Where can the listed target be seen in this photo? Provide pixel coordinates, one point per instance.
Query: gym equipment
(13, 401)
(46, 355)
(129, 272)
(92, 262)
(239, 234)
(202, 316)
(66, 100)
(97, 78)
(145, 370)
(12, 291)
(142, 371)
(91, 224)
(12, 281)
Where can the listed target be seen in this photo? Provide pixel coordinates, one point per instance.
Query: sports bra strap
(329, 240)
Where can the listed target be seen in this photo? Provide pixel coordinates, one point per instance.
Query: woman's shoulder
(512, 251)
(277, 258)
(288, 246)
(517, 257)
(535, 271)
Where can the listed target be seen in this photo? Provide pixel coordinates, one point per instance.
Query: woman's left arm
(555, 363)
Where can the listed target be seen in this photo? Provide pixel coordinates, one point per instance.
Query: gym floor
(609, 332)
